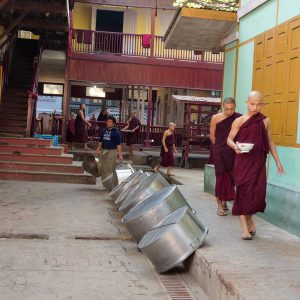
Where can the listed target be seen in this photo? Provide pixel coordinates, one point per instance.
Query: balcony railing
(196, 138)
(99, 42)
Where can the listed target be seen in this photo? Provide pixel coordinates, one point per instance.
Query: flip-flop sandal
(221, 214)
(252, 232)
(170, 175)
(247, 238)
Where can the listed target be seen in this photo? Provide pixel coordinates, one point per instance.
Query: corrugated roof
(196, 99)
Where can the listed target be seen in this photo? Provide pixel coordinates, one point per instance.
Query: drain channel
(24, 236)
(175, 287)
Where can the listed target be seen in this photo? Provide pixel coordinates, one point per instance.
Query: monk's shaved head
(228, 100)
(255, 102)
(255, 95)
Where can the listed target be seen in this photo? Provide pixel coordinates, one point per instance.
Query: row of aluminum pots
(159, 219)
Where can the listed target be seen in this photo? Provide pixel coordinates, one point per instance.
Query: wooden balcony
(135, 45)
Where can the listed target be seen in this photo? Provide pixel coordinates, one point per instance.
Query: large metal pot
(152, 211)
(154, 183)
(122, 172)
(90, 165)
(134, 185)
(114, 194)
(177, 237)
(108, 182)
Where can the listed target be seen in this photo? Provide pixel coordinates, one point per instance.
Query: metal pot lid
(136, 173)
(174, 216)
(154, 200)
(131, 186)
(141, 189)
(154, 235)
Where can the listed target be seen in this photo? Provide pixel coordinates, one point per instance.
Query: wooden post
(153, 15)
(138, 102)
(149, 118)
(143, 106)
(66, 103)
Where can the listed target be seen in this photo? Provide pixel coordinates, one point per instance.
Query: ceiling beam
(161, 4)
(44, 25)
(13, 24)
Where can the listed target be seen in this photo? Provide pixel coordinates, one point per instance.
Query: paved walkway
(266, 268)
(66, 241)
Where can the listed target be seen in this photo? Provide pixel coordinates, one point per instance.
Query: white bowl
(245, 147)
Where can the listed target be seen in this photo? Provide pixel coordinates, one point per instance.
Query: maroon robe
(223, 159)
(167, 158)
(81, 133)
(250, 168)
(132, 136)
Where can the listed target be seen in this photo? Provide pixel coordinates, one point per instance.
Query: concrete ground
(66, 241)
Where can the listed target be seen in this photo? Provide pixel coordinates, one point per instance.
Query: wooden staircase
(14, 101)
(37, 160)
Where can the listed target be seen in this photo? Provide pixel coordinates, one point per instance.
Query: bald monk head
(255, 102)
(229, 106)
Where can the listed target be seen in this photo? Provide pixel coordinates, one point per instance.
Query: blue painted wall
(229, 74)
(244, 75)
(258, 21)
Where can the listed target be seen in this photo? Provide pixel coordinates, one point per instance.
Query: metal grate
(175, 287)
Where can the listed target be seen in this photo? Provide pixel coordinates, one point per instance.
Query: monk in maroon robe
(250, 167)
(223, 155)
(168, 149)
(133, 127)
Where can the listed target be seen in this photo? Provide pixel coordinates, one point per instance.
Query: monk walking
(250, 167)
(168, 149)
(133, 127)
(223, 155)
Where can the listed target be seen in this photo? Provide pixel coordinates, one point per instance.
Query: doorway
(109, 22)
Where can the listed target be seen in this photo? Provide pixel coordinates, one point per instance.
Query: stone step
(47, 177)
(30, 142)
(51, 159)
(40, 167)
(31, 150)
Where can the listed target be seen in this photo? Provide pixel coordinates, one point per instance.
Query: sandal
(247, 238)
(253, 232)
(221, 213)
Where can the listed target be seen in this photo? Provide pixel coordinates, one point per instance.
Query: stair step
(16, 105)
(15, 92)
(51, 159)
(14, 99)
(26, 142)
(40, 167)
(7, 122)
(30, 150)
(13, 116)
(47, 177)
(18, 111)
(13, 129)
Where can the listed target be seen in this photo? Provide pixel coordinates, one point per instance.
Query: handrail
(32, 96)
(129, 44)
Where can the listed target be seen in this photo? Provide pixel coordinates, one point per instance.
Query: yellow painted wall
(82, 17)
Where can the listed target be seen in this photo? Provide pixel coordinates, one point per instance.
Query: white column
(144, 95)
